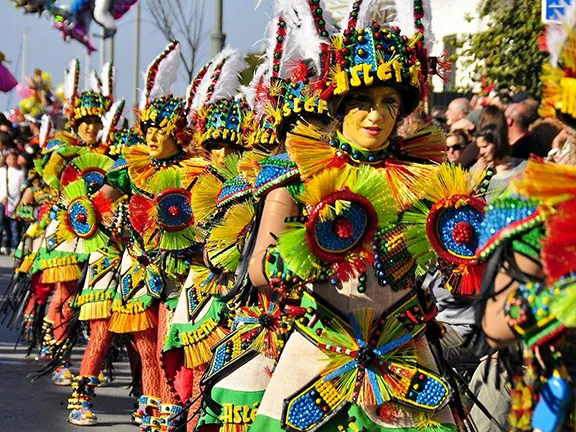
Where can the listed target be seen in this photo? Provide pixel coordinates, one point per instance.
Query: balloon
(22, 91)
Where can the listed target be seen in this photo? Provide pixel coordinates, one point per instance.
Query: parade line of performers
(261, 249)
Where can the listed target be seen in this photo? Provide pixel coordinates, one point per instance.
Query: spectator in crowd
(544, 131)
(5, 124)
(458, 109)
(491, 114)
(6, 141)
(439, 115)
(522, 141)
(494, 154)
(456, 142)
(11, 179)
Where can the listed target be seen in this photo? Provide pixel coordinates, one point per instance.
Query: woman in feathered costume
(94, 301)
(528, 243)
(67, 159)
(286, 87)
(220, 117)
(339, 311)
(157, 176)
(25, 294)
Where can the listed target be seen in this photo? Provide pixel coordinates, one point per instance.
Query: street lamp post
(218, 37)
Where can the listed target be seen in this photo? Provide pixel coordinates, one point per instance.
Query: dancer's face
(160, 144)
(88, 129)
(370, 116)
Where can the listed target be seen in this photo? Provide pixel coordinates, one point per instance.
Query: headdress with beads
(297, 62)
(217, 112)
(158, 106)
(112, 122)
(88, 103)
(372, 50)
(558, 76)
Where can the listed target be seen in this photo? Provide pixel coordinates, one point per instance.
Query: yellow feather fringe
(323, 184)
(65, 273)
(403, 178)
(549, 182)
(307, 148)
(447, 180)
(132, 322)
(199, 352)
(96, 310)
(204, 195)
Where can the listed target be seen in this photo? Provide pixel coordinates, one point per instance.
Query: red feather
(69, 174)
(559, 245)
(140, 208)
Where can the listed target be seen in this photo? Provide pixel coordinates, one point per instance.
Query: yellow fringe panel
(198, 344)
(227, 427)
(96, 310)
(130, 323)
(26, 264)
(65, 273)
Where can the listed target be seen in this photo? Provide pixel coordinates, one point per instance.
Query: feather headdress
(161, 74)
(111, 121)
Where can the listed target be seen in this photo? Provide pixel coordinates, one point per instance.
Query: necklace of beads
(358, 154)
(171, 160)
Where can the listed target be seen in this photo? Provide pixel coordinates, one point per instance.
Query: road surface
(41, 406)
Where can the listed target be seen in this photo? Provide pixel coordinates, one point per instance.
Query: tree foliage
(506, 54)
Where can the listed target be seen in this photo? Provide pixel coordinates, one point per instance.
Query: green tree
(506, 54)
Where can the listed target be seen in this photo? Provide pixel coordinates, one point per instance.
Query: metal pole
(102, 51)
(111, 47)
(87, 67)
(136, 60)
(217, 37)
(24, 54)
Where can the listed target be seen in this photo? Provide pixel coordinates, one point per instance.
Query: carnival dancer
(94, 302)
(37, 200)
(221, 118)
(156, 176)
(285, 88)
(527, 300)
(60, 261)
(356, 354)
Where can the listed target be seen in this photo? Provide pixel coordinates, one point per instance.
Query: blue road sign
(553, 10)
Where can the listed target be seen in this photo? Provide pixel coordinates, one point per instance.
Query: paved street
(41, 406)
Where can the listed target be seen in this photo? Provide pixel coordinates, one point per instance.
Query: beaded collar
(83, 143)
(358, 154)
(169, 161)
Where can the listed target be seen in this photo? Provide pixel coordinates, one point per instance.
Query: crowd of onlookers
(486, 133)
(18, 145)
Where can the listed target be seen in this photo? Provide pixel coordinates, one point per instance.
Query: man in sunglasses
(455, 143)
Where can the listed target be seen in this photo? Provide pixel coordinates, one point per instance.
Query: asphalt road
(41, 406)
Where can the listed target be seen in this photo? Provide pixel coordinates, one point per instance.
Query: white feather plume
(429, 38)
(94, 84)
(45, 129)
(202, 90)
(381, 11)
(405, 17)
(249, 91)
(110, 121)
(108, 79)
(229, 79)
(164, 78)
(70, 83)
(557, 33)
(556, 36)
(306, 40)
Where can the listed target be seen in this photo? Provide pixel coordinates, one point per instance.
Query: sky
(244, 27)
